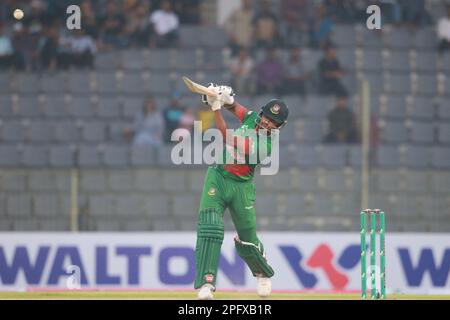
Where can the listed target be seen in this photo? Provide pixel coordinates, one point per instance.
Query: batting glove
(214, 102)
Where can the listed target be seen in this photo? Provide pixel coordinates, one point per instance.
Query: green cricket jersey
(240, 164)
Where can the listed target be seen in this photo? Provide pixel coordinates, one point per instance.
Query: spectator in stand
(295, 16)
(342, 123)
(137, 29)
(443, 31)
(187, 121)
(241, 68)
(343, 11)
(295, 74)
(112, 25)
(83, 49)
(330, 74)
(6, 50)
(320, 28)
(266, 27)
(148, 126)
(188, 11)
(21, 45)
(165, 23)
(414, 13)
(269, 74)
(89, 21)
(48, 48)
(239, 27)
(172, 115)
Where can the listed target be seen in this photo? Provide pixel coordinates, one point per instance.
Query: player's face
(266, 124)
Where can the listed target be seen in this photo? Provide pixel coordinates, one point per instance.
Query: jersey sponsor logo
(212, 192)
(249, 207)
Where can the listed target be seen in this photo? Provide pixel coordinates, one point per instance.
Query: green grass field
(151, 295)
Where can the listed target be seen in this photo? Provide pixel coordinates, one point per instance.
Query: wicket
(372, 215)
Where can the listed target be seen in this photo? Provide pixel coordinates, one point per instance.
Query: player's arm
(241, 143)
(237, 109)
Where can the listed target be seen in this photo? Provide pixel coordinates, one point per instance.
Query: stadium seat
(160, 60)
(399, 61)
(344, 35)
(421, 108)
(116, 156)
(399, 83)
(212, 37)
(41, 131)
(28, 107)
(189, 36)
(13, 131)
(376, 82)
(134, 83)
(157, 205)
(160, 84)
(440, 158)
(427, 85)
(35, 156)
(106, 82)
(213, 60)
(134, 60)
(89, 156)
(371, 39)
(27, 83)
(67, 131)
(294, 206)
(55, 83)
(395, 132)
(131, 106)
(425, 38)
(266, 205)
(81, 107)
(399, 38)
(388, 157)
(93, 131)
(372, 60)
(444, 133)
(311, 131)
(6, 82)
(79, 83)
(355, 156)
(62, 156)
(20, 205)
(395, 107)
(318, 107)
(9, 156)
(417, 157)
(422, 132)
(108, 107)
(54, 107)
(444, 109)
(333, 157)
(107, 61)
(426, 62)
(143, 156)
(6, 109)
(186, 61)
(307, 157)
(185, 205)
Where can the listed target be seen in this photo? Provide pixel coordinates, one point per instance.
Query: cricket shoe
(205, 292)
(264, 287)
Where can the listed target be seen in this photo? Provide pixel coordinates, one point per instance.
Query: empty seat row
(389, 37)
(294, 156)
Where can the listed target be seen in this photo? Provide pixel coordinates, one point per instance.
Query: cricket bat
(198, 88)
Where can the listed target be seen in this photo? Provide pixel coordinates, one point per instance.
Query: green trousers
(220, 193)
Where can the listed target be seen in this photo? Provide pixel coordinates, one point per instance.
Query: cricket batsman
(231, 186)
